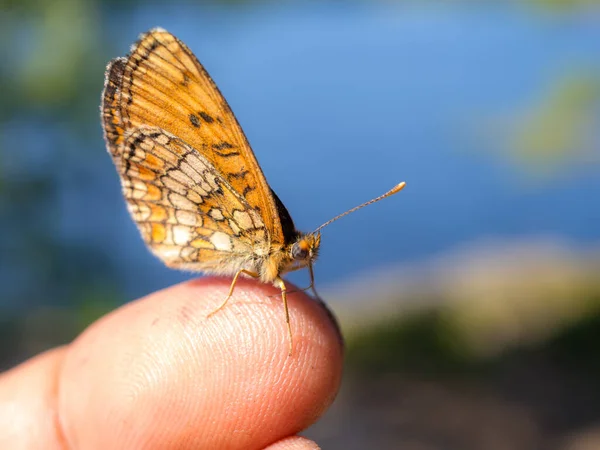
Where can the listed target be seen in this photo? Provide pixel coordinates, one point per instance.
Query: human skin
(158, 373)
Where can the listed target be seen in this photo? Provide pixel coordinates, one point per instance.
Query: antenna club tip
(398, 188)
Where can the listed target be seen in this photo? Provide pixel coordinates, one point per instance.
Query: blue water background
(340, 103)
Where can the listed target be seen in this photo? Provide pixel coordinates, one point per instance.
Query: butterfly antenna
(389, 193)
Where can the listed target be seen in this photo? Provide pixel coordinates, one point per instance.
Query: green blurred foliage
(563, 5)
(431, 342)
(561, 127)
(53, 71)
(423, 341)
(51, 64)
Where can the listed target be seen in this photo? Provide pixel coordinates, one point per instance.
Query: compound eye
(299, 251)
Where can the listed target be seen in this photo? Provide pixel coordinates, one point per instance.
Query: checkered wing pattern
(191, 180)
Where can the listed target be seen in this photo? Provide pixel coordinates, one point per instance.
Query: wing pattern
(162, 84)
(191, 181)
(188, 214)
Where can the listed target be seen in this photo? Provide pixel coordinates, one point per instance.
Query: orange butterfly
(190, 178)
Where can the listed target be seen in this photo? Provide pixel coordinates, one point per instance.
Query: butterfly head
(305, 249)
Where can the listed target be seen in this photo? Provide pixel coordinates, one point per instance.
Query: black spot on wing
(153, 46)
(218, 149)
(221, 146)
(238, 175)
(206, 117)
(133, 144)
(247, 190)
(194, 120)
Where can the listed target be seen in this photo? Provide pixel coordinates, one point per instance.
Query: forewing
(188, 214)
(162, 84)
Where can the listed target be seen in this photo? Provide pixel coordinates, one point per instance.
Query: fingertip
(160, 360)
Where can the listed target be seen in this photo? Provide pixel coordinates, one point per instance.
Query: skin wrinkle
(56, 417)
(28, 412)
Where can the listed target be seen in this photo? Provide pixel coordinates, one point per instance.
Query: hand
(158, 374)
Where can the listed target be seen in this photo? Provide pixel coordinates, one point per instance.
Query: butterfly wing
(162, 84)
(187, 213)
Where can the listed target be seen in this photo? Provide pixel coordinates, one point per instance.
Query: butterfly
(190, 179)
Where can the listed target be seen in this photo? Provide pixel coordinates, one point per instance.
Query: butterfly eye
(299, 251)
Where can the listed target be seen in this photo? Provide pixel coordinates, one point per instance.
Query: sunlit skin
(157, 374)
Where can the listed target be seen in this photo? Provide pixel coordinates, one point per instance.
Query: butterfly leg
(281, 285)
(312, 280)
(239, 272)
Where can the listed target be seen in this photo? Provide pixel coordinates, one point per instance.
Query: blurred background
(470, 302)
